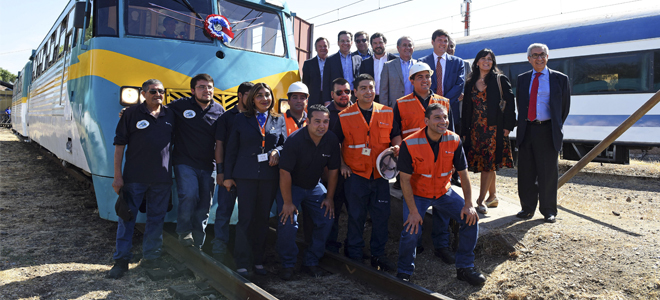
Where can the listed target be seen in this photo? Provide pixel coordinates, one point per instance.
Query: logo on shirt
(325, 155)
(189, 114)
(142, 124)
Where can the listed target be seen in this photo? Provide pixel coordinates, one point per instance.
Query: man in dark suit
(361, 39)
(312, 71)
(543, 98)
(341, 64)
(374, 64)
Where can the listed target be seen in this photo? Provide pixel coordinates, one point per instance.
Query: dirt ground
(604, 245)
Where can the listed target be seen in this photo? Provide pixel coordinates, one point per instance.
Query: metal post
(610, 139)
(466, 14)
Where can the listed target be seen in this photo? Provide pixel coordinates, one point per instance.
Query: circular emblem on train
(142, 124)
(189, 114)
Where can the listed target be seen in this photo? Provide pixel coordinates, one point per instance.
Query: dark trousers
(226, 203)
(538, 170)
(372, 196)
(339, 200)
(255, 198)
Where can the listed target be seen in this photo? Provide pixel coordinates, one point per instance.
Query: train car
(99, 52)
(613, 63)
(19, 99)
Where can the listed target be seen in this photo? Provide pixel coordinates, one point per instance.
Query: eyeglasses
(361, 41)
(537, 55)
(340, 92)
(160, 91)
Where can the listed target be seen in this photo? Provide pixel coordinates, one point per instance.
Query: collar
(289, 115)
(422, 98)
(143, 108)
(321, 59)
(306, 136)
(544, 72)
(344, 56)
(435, 57)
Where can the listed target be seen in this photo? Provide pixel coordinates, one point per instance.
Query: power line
(363, 13)
(10, 52)
(335, 9)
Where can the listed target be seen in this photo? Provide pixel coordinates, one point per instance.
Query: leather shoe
(470, 275)
(382, 263)
(550, 219)
(446, 255)
(286, 274)
(118, 270)
(524, 215)
(313, 271)
(403, 276)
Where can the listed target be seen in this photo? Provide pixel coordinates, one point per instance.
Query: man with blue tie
(543, 98)
(312, 71)
(341, 64)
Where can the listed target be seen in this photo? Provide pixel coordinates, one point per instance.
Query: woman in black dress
(486, 124)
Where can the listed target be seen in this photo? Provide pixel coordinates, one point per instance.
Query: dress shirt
(347, 67)
(378, 68)
(543, 95)
(321, 65)
(405, 69)
(443, 63)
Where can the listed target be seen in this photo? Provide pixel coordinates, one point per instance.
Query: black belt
(537, 122)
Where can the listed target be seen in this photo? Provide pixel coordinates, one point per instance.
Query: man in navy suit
(543, 98)
(374, 64)
(312, 71)
(341, 64)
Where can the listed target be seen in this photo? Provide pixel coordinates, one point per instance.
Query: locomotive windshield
(254, 29)
(170, 19)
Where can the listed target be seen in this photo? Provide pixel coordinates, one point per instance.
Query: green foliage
(7, 76)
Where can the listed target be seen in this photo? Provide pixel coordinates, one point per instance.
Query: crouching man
(147, 129)
(426, 160)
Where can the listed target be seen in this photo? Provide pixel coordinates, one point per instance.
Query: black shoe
(286, 274)
(261, 271)
(420, 249)
(186, 240)
(456, 182)
(446, 255)
(118, 270)
(470, 275)
(396, 185)
(156, 263)
(524, 215)
(246, 274)
(313, 271)
(550, 219)
(382, 263)
(403, 276)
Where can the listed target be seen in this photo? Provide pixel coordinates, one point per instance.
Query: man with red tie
(543, 99)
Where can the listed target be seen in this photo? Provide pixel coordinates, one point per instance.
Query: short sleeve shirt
(305, 160)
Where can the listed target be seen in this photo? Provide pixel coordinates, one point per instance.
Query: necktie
(438, 75)
(531, 113)
(261, 117)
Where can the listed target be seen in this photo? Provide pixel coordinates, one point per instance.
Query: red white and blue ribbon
(218, 27)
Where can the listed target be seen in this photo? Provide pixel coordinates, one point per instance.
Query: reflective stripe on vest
(412, 112)
(291, 125)
(431, 177)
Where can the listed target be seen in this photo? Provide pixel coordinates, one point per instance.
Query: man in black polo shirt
(226, 200)
(147, 129)
(193, 158)
(305, 155)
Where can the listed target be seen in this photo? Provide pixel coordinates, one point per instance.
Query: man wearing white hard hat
(296, 117)
(426, 160)
(409, 114)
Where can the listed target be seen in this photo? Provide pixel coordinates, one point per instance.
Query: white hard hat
(298, 87)
(418, 67)
(386, 164)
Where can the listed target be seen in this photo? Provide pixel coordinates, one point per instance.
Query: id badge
(262, 157)
(366, 151)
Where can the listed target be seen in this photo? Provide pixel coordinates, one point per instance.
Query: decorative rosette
(218, 27)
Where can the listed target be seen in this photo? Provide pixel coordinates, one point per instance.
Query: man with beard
(363, 51)
(312, 71)
(193, 158)
(374, 64)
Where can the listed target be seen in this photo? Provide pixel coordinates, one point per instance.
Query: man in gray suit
(394, 82)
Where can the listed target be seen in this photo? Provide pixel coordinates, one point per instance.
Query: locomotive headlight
(130, 96)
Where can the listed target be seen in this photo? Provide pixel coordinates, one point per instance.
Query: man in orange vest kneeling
(365, 129)
(426, 160)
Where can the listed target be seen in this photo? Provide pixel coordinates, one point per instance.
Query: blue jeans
(310, 200)
(226, 203)
(195, 190)
(449, 205)
(440, 231)
(367, 195)
(158, 197)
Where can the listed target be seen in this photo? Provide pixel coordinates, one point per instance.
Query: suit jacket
(392, 84)
(334, 70)
(245, 144)
(453, 77)
(367, 66)
(311, 77)
(560, 104)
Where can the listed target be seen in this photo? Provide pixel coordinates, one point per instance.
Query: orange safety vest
(412, 112)
(359, 135)
(291, 124)
(430, 178)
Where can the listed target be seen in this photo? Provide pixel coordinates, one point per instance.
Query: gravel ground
(53, 245)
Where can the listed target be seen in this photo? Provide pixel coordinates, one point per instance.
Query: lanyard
(263, 134)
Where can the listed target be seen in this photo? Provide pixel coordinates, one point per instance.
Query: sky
(22, 28)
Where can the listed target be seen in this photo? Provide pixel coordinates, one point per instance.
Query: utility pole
(465, 12)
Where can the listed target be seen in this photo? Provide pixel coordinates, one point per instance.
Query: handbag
(502, 101)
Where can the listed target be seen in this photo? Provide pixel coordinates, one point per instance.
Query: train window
(560, 65)
(167, 19)
(253, 29)
(625, 72)
(61, 45)
(53, 48)
(105, 18)
(656, 70)
(514, 71)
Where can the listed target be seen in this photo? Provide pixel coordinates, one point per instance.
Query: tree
(7, 76)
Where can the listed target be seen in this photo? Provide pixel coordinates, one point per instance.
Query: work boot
(118, 270)
(470, 275)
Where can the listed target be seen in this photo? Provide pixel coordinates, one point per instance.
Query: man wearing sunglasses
(147, 129)
(361, 39)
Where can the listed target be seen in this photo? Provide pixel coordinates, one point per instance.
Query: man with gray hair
(394, 82)
(543, 99)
